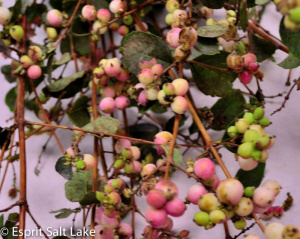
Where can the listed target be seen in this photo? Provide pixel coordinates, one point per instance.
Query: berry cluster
(80, 161)
(245, 65)
(291, 12)
(254, 140)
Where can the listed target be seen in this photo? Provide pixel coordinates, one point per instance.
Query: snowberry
(125, 229)
(274, 230)
(204, 168)
(179, 14)
(26, 61)
(195, 192)
(123, 30)
(242, 125)
(151, 93)
(245, 150)
(107, 105)
(89, 161)
(179, 105)
(249, 58)
(51, 33)
(294, 14)
(175, 207)
(240, 224)
(232, 131)
(5, 15)
(188, 37)
(258, 128)
(118, 183)
(167, 136)
(108, 91)
(128, 20)
(103, 15)
(172, 37)
(208, 202)
(129, 168)
(263, 197)
(89, 12)
(230, 191)
(291, 232)
(247, 164)
(244, 207)
(249, 117)
(156, 217)
(201, 218)
(54, 17)
(161, 98)
(99, 27)
(34, 72)
(16, 32)
(112, 67)
(213, 182)
(245, 77)
(142, 98)
(122, 102)
(169, 19)
(172, 5)
(103, 232)
(235, 62)
(272, 185)
(181, 86)
(123, 76)
(137, 166)
(251, 135)
(169, 188)
(35, 53)
(217, 216)
(258, 113)
(119, 164)
(146, 76)
(111, 223)
(136, 153)
(156, 198)
(157, 69)
(169, 224)
(117, 6)
(148, 169)
(147, 64)
(121, 144)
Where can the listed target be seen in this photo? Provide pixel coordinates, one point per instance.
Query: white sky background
(46, 191)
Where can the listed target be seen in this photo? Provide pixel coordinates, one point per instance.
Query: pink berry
(108, 222)
(142, 99)
(146, 76)
(157, 69)
(114, 198)
(156, 198)
(195, 192)
(112, 67)
(107, 105)
(89, 12)
(245, 77)
(140, 86)
(148, 230)
(156, 217)
(169, 188)
(54, 17)
(103, 232)
(125, 229)
(169, 224)
(123, 30)
(148, 169)
(121, 144)
(136, 153)
(173, 37)
(259, 210)
(70, 151)
(137, 166)
(175, 207)
(230, 191)
(249, 59)
(272, 185)
(117, 6)
(215, 181)
(167, 136)
(89, 161)
(124, 75)
(247, 164)
(204, 168)
(103, 15)
(122, 102)
(34, 72)
(169, 89)
(263, 197)
(181, 86)
(109, 91)
(253, 67)
(179, 105)
(147, 64)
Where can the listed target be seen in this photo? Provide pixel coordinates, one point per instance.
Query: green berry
(262, 142)
(16, 32)
(245, 150)
(201, 218)
(232, 131)
(128, 20)
(217, 216)
(264, 122)
(249, 117)
(256, 154)
(249, 191)
(80, 165)
(119, 164)
(242, 125)
(100, 196)
(251, 135)
(240, 224)
(258, 113)
(263, 157)
(295, 14)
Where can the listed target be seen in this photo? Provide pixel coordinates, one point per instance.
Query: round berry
(195, 192)
(5, 15)
(230, 191)
(107, 105)
(156, 217)
(179, 105)
(208, 202)
(217, 216)
(244, 207)
(54, 17)
(274, 230)
(204, 168)
(201, 218)
(172, 37)
(181, 86)
(175, 207)
(34, 72)
(263, 197)
(89, 12)
(122, 102)
(89, 161)
(16, 32)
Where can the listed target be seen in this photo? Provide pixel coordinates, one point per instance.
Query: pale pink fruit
(123, 30)
(204, 168)
(70, 151)
(157, 69)
(148, 230)
(272, 185)
(148, 169)
(114, 198)
(108, 222)
(137, 166)
(156, 217)
(112, 67)
(244, 207)
(169, 188)
(247, 164)
(117, 183)
(125, 229)
(54, 17)
(136, 153)
(98, 215)
(99, 27)
(140, 86)
(181, 86)
(117, 6)
(146, 76)
(169, 89)
(26, 61)
(179, 14)
(122, 102)
(215, 181)
(5, 15)
(179, 105)
(147, 64)
(167, 136)
(249, 58)
(142, 99)
(109, 91)
(156, 198)
(173, 37)
(89, 161)
(121, 144)
(160, 150)
(124, 75)
(253, 67)
(230, 191)
(103, 232)
(245, 77)
(195, 192)
(89, 12)
(151, 92)
(103, 15)
(107, 105)
(169, 224)
(34, 72)
(175, 207)
(263, 197)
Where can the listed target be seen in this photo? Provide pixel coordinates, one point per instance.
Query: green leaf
(65, 58)
(140, 46)
(243, 16)
(1, 220)
(290, 62)
(71, 85)
(69, 6)
(262, 48)
(56, 4)
(12, 220)
(144, 131)
(211, 31)
(80, 184)
(212, 81)
(65, 46)
(156, 108)
(104, 124)
(169, 125)
(176, 156)
(99, 4)
(10, 98)
(226, 109)
(16, 11)
(290, 38)
(252, 177)
(89, 199)
(207, 46)
(81, 43)
(78, 114)
(251, 3)
(62, 169)
(215, 4)
(7, 72)
(32, 105)
(65, 212)
(34, 11)
(261, 2)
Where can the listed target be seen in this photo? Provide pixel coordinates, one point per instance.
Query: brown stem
(288, 80)
(138, 22)
(208, 66)
(73, 54)
(10, 207)
(172, 144)
(36, 223)
(3, 151)
(258, 222)
(125, 120)
(112, 44)
(4, 175)
(227, 233)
